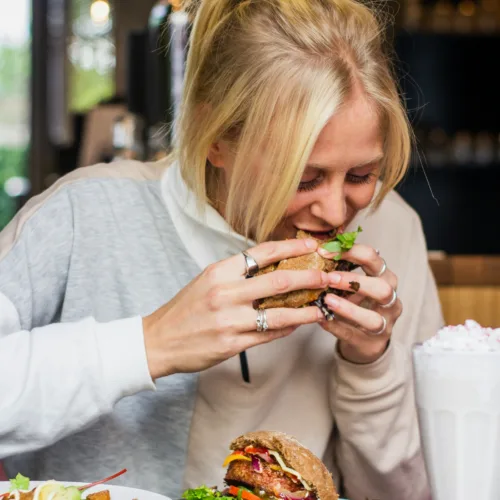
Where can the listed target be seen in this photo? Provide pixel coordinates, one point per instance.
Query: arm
(55, 378)
(378, 446)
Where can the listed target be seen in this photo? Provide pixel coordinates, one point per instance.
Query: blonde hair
(267, 75)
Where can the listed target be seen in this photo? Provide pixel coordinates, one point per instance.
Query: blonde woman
(124, 301)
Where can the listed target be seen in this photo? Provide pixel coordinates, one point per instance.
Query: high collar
(208, 238)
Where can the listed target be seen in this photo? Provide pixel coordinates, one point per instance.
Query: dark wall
(452, 91)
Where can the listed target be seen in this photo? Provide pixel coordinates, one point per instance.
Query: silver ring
(382, 330)
(252, 268)
(392, 301)
(383, 270)
(377, 251)
(261, 321)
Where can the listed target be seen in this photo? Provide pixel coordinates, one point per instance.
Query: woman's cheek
(297, 204)
(359, 197)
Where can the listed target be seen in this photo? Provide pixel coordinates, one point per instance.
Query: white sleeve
(57, 379)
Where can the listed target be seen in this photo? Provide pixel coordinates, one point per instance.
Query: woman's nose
(331, 207)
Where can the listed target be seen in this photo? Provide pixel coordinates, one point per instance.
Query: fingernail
(311, 244)
(323, 252)
(334, 278)
(331, 301)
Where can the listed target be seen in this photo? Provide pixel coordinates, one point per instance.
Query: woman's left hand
(364, 321)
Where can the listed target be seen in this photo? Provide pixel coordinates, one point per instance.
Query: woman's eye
(310, 184)
(360, 179)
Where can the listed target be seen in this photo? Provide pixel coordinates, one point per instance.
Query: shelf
(457, 168)
(466, 270)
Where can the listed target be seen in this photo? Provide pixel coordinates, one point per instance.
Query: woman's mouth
(324, 235)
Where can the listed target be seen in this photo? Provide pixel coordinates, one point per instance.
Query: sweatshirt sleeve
(55, 378)
(378, 442)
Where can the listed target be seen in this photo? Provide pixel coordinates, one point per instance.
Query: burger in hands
(339, 243)
(267, 465)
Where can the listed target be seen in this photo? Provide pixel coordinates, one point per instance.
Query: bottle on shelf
(487, 17)
(466, 19)
(442, 15)
(413, 15)
(437, 148)
(484, 151)
(462, 148)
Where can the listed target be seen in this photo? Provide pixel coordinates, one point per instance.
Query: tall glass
(458, 404)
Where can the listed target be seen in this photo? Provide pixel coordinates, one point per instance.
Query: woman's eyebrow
(324, 166)
(376, 159)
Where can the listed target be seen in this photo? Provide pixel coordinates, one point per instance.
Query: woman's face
(341, 174)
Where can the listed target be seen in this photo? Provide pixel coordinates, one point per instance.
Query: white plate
(116, 492)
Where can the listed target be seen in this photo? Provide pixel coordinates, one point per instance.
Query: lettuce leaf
(204, 493)
(20, 482)
(342, 243)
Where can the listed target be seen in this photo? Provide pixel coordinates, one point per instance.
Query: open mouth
(324, 235)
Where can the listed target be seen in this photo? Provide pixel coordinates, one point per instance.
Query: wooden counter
(469, 287)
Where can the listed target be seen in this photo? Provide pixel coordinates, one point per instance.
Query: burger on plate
(339, 242)
(266, 465)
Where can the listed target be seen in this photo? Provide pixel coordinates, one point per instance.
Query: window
(91, 53)
(15, 70)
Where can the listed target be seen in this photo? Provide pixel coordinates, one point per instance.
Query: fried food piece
(100, 495)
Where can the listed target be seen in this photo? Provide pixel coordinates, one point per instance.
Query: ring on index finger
(251, 266)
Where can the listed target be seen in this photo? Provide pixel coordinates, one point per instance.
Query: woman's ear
(218, 155)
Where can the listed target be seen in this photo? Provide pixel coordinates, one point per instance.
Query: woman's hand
(213, 319)
(363, 322)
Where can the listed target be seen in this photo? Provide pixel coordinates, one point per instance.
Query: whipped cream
(470, 336)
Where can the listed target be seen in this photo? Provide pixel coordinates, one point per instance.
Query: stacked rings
(262, 325)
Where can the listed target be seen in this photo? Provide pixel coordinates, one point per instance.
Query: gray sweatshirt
(80, 265)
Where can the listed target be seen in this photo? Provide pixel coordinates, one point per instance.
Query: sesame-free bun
(295, 456)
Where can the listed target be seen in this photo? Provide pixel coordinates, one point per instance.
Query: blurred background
(85, 81)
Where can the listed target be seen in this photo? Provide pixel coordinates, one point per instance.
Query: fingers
(274, 283)
(278, 282)
(270, 253)
(381, 290)
(356, 346)
(368, 320)
(279, 318)
(281, 323)
(362, 255)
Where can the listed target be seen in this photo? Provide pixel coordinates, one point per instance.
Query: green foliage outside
(15, 64)
(88, 88)
(12, 163)
(14, 69)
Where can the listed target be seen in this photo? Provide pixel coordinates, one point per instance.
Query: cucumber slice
(69, 493)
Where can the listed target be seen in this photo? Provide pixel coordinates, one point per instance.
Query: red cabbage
(256, 465)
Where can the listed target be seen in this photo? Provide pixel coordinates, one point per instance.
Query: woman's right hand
(212, 319)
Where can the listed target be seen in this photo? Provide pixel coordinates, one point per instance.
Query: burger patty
(271, 481)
